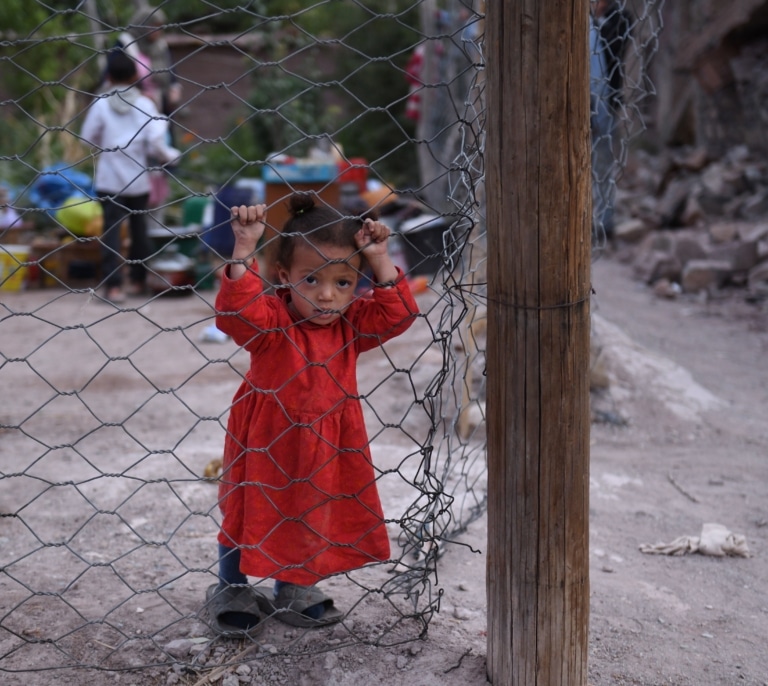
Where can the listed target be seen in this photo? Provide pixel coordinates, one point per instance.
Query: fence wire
(114, 410)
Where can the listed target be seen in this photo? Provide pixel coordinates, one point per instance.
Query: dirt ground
(108, 542)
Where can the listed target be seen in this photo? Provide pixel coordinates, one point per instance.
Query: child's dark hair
(120, 67)
(321, 224)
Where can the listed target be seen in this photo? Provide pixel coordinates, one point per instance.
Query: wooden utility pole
(539, 208)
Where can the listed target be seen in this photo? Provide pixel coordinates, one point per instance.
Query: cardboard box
(78, 263)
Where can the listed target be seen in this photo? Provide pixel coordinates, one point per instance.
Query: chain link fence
(114, 408)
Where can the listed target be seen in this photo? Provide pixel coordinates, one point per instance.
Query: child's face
(321, 287)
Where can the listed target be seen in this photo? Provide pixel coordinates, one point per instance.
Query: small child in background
(298, 490)
(8, 216)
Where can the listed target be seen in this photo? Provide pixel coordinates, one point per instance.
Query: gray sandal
(292, 601)
(233, 610)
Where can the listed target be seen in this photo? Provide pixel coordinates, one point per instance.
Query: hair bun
(300, 203)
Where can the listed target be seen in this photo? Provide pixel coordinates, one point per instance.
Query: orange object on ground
(418, 284)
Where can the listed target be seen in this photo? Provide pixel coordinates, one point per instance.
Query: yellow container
(13, 270)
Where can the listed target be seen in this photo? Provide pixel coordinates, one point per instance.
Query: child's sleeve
(242, 310)
(91, 131)
(158, 141)
(390, 312)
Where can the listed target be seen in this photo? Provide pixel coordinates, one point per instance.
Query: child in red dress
(298, 490)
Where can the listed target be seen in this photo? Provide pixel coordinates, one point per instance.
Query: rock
(631, 230)
(599, 377)
(657, 265)
(331, 662)
(753, 232)
(702, 275)
(693, 160)
(178, 648)
(663, 241)
(672, 203)
(756, 206)
(692, 224)
(693, 213)
(713, 205)
(664, 288)
(741, 256)
(723, 232)
(461, 613)
(757, 281)
(721, 181)
(689, 246)
(738, 154)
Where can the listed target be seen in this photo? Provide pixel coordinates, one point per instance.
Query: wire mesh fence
(116, 404)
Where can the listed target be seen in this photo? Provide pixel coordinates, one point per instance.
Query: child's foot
(304, 606)
(315, 611)
(115, 295)
(136, 289)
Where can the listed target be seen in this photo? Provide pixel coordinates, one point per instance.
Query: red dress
(298, 490)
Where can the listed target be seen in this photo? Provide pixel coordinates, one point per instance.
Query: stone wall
(690, 223)
(711, 75)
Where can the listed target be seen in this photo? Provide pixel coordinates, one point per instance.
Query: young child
(8, 216)
(298, 490)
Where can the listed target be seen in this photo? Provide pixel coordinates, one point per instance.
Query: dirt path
(692, 380)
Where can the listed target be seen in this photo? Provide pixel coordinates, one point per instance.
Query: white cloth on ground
(715, 539)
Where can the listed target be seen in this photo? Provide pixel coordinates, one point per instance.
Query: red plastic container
(354, 170)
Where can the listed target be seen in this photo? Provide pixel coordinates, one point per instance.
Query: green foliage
(287, 111)
(376, 43)
(340, 74)
(44, 61)
(218, 163)
(41, 52)
(217, 16)
(330, 68)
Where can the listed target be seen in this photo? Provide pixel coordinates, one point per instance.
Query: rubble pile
(691, 224)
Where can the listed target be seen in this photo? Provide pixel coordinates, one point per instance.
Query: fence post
(539, 207)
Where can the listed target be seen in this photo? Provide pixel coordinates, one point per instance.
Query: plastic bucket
(13, 270)
(422, 241)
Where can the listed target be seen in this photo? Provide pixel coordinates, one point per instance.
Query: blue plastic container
(218, 237)
(298, 172)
